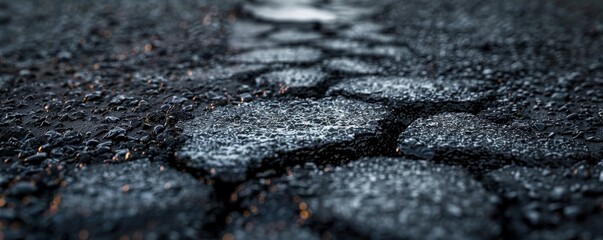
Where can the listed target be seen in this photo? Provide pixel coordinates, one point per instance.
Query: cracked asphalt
(301, 119)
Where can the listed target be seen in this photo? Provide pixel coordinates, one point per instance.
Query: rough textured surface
(304, 11)
(235, 139)
(3, 82)
(356, 199)
(561, 203)
(293, 78)
(352, 66)
(293, 36)
(464, 138)
(405, 91)
(279, 55)
(88, 83)
(135, 199)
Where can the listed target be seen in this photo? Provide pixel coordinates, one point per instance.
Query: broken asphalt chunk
(463, 138)
(108, 201)
(279, 55)
(260, 135)
(543, 203)
(403, 92)
(375, 198)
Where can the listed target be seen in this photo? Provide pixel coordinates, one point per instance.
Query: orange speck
(303, 206)
(283, 90)
(54, 205)
(304, 214)
(148, 47)
(125, 188)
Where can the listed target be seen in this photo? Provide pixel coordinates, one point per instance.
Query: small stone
(116, 132)
(245, 97)
(111, 119)
(37, 158)
(64, 55)
(93, 96)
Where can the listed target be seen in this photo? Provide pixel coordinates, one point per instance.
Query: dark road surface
(301, 119)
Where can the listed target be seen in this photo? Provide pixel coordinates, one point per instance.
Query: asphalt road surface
(301, 119)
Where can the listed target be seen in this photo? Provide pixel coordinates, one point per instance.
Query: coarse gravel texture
(301, 119)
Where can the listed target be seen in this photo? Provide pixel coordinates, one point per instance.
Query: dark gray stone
(144, 198)
(289, 11)
(294, 36)
(293, 77)
(352, 66)
(236, 138)
(279, 55)
(367, 31)
(466, 139)
(224, 72)
(378, 198)
(415, 92)
(557, 203)
(247, 35)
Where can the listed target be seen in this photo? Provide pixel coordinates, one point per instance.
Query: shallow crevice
(379, 144)
(222, 191)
